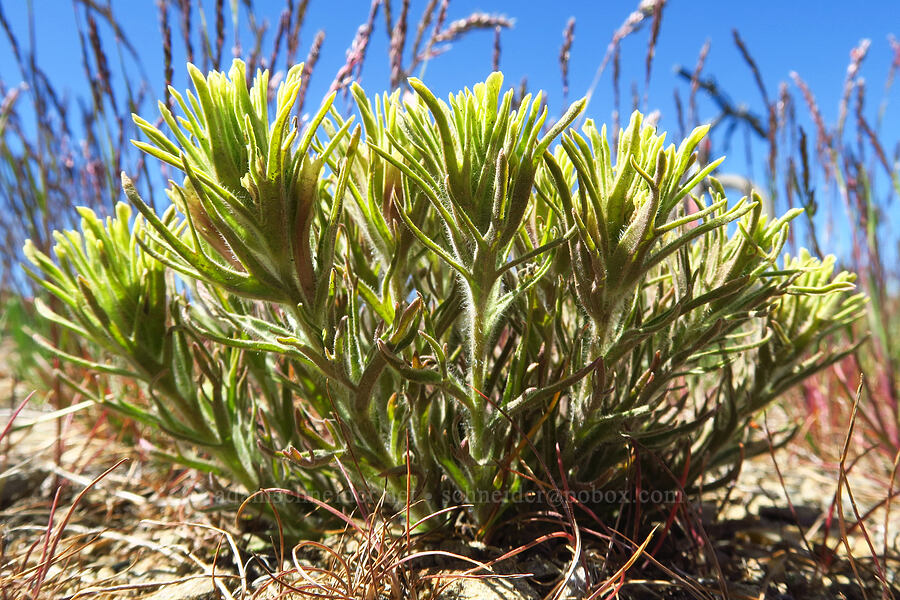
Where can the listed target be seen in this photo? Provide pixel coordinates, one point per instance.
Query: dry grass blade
(679, 113)
(693, 115)
(185, 9)
(334, 511)
(284, 23)
(781, 481)
(565, 54)
(823, 138)
(9, 424)
(728, 109)
(103, 72)
(495, 57)
(426, 53)
(617, 93)
(428, 15)
(655, 28)
(220, 33)
(131, 587)
(748, 58)
(632, 23)
(857, 55)
(209, 571)
(166, 31)
(889, 503)
(620, 573)
(293, 42)
(308, 67)
(53, 536)
(843, 484)
(473, 22)
(771, 129)
(397, 45)
(357, 52)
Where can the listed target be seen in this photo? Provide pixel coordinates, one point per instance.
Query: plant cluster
(451, 303)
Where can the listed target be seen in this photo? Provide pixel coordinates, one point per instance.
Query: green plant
(440, 303)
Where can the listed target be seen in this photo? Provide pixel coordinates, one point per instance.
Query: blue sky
(812, 38)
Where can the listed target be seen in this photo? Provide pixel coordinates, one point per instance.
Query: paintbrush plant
(439, 303)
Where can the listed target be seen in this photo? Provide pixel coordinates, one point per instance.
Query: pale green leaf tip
(86, 213)
(127, 184)
(193, 71)
(418, 85)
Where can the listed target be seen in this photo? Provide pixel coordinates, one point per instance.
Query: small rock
(488, 588)
(806, 515)
(192, 589)
(104, 574)
(18, 485)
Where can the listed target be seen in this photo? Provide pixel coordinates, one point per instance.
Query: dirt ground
(141, 531)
